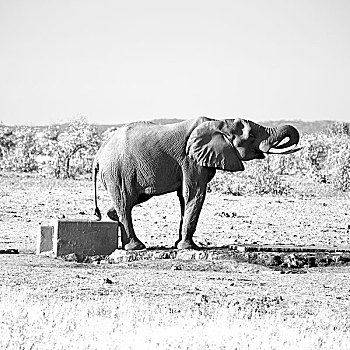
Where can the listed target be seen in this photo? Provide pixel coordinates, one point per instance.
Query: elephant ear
(209, 146)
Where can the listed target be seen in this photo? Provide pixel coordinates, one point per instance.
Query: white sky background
(118, 61)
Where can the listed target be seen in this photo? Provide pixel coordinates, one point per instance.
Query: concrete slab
(82, 237)
(288, 248)
(44, 240)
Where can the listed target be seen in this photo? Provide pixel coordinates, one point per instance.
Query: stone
(201, 298)
(129, 255)
(164, 255)
(201, 255)
(71, 257)
(9, 251)
(294, 261)
(273, 260)
(186, 254)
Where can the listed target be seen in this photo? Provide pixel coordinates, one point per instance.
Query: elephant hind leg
(121, 212)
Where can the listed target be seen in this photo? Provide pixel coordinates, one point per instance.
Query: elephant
(143, 159)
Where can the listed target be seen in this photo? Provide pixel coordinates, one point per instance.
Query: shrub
(225, 183)
(21, 150)
(339, 128)
(325, 157)
(7, 141)
(263, 180)
(62, 152)
(71, 151)
(313, 155)
(339, 167)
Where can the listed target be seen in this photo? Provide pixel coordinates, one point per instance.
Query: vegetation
(30, 323)
(68, 152)
(60, 152)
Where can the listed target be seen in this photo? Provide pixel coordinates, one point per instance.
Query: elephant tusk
(284, 151)
(281, 144)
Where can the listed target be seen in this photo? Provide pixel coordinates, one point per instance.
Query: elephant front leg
(182, 208)
(192, 208)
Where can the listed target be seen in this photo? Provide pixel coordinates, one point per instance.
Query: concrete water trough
(81, 237)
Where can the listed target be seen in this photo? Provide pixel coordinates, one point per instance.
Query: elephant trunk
(282, 140)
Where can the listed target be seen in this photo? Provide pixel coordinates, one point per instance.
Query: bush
(70, 152)
(20, 151)
(263, 180)
(225, 183)
(62, 152)
(7, 141)
(324, 157)
(313, 155)
(259, 178)
(339, 168)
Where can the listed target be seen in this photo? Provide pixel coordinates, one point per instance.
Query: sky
(116, 61)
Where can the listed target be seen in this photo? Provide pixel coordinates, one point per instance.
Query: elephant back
(150, 155)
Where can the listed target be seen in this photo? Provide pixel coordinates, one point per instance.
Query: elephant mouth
(260, 155)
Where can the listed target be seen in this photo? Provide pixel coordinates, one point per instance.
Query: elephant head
(225, 144)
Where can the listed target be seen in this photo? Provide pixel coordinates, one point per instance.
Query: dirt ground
(29, 201)
(222, 283)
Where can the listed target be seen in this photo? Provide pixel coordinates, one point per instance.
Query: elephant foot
(134, 245)
(186, 244)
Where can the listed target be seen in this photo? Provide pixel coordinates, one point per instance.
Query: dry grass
(135, 323)
(314, 314)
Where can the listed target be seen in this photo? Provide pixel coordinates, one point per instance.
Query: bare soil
(28, 201)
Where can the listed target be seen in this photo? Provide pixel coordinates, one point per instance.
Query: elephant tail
(97, 210)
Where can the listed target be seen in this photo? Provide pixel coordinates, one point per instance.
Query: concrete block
(82, 237)
(45, 240)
